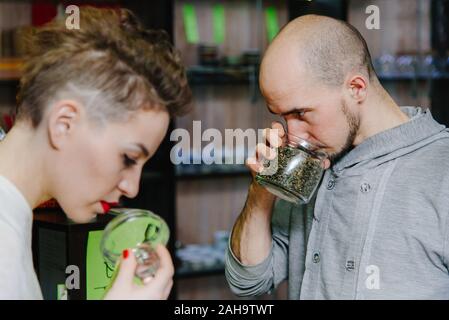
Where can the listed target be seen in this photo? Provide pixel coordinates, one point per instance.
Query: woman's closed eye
(128, 162)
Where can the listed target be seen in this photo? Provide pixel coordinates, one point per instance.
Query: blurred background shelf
(200, 260)
(182, 273)
(10, 69)
(412, 77)
(217, 171)
(207, 75)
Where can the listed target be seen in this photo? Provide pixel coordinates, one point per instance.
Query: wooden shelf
(10, 69)
(198, 174)
(205, 75)
(414, 77)
(184, 273)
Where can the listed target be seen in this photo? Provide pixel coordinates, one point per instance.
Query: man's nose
(129, 185)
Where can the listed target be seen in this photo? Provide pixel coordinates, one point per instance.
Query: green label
(190, 23)
(219, 23)
(62, 293)
(98, 273)
(271, 21)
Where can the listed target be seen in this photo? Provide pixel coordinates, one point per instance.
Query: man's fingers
(254, 165)
(272, 137)
(265, 152)
(326, 164)
(277, 125)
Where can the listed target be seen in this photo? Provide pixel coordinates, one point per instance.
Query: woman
(93, 106)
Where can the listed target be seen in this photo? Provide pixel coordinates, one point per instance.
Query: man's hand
(274, 137)
(251, 235)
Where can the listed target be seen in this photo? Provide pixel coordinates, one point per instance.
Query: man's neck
(379, 114)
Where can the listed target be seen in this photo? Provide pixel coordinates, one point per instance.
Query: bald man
(378, 227)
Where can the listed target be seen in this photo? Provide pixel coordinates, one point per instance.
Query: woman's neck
(21, 163)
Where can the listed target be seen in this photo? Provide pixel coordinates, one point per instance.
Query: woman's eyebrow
(143, 149)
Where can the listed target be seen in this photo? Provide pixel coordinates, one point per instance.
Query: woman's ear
(64, 117)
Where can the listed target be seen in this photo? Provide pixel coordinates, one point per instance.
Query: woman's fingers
(162, 281)
(167, 289)
(166, 263)
(157, 287)
(127, 269)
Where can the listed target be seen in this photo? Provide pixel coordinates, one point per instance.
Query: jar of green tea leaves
(295, 173)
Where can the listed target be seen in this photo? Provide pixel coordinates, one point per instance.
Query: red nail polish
(125, 254)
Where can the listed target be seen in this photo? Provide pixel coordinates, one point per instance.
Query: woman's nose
(129, 185)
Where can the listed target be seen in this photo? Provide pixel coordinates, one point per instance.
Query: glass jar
(295, 173)
(139, 230)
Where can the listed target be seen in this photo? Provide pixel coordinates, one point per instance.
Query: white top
(18, 279)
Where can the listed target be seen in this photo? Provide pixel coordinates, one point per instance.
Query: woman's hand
(155, 288)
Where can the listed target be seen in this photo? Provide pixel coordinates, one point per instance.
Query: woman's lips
(107, 206)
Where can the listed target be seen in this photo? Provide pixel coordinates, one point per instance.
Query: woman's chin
(81, 217)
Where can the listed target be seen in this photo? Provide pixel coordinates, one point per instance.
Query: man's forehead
(280, 81)
(280, 93)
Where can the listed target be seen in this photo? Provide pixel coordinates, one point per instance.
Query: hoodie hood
(420, 130)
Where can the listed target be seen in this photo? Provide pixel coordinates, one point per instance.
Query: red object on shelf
(45, 11)
(9, 121)
(42, 12)
(106, 4)
(52, 203)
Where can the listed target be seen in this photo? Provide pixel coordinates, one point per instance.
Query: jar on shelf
(296, 172)
(2, 134)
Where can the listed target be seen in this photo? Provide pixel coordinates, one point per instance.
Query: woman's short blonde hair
(111, 62)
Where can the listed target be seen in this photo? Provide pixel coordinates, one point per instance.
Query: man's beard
(354, 124)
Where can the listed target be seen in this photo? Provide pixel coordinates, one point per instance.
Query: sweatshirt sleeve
(446, 244)
(264, 277)
(10, 264)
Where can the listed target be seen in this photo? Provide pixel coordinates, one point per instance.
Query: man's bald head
(328, 49)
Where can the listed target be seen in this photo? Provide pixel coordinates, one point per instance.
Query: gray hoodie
(378, 227)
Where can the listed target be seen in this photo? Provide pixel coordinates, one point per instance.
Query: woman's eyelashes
(128, 162)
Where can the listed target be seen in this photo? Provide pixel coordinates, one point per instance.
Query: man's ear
(64, 117)
(356, 86)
